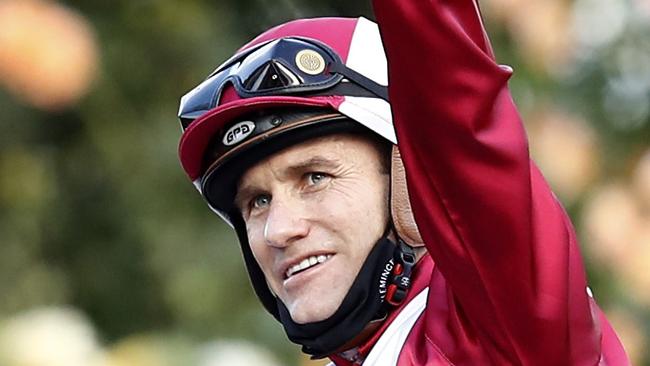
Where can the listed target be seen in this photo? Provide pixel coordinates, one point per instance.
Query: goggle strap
(344, 88)
(368, 84)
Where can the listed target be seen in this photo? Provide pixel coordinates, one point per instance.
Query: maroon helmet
(328, 67)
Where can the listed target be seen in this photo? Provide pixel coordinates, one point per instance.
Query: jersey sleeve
(496, 231)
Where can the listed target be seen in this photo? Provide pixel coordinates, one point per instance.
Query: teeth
(306, 263)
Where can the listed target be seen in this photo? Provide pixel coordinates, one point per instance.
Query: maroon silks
(509, 285)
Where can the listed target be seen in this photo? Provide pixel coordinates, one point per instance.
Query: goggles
(284, 66)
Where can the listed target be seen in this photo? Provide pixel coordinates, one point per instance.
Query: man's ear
(400, 205)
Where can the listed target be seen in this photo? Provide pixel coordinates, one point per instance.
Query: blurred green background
(108, 256)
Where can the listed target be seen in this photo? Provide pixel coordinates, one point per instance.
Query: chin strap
(382, 283)
(401, 274)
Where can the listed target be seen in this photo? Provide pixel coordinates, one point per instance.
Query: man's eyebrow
(314, 162)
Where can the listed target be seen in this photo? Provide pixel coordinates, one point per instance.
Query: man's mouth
(307, 263)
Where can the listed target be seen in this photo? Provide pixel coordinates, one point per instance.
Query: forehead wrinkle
(314, 162)
(280, 173)
(284, 165)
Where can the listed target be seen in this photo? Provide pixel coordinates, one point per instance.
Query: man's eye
(316, 178)
(261, 201)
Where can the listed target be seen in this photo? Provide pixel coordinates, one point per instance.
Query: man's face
(313, 212)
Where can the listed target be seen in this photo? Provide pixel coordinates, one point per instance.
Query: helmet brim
(201, 131)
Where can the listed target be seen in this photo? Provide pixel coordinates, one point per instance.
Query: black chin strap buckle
(401, 274)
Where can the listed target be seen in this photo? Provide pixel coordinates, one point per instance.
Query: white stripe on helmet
(373, 113)
(366, 55)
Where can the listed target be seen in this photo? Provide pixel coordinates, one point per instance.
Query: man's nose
(285, 223)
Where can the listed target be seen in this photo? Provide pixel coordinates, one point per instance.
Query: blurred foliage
(96, 213)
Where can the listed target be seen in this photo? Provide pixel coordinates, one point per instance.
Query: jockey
(397, 223)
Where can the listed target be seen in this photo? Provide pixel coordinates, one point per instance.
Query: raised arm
(494, 228)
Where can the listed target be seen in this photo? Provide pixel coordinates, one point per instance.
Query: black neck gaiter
(363, 303)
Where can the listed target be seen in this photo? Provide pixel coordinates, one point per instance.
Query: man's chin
(305, 313)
